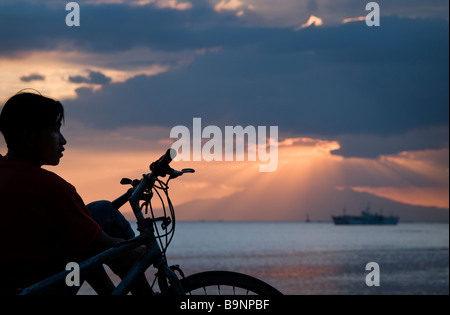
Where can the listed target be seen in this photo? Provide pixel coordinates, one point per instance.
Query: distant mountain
(290, 207)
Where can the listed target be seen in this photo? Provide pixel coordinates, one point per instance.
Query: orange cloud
(55, 67)
(228, 5)
(354, 19)
(313, 20)
(165, 4)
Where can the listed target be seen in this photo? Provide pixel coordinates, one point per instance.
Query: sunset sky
(362, 112)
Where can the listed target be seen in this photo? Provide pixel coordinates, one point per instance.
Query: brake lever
(174, 173)
(127, 181)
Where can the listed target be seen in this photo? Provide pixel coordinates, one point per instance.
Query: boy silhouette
(45, 223)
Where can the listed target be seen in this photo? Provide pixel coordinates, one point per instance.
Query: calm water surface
(319, 258)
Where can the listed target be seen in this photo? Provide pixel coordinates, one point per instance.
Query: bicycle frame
(152, 256)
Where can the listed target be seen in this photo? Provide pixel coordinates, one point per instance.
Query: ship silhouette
(366, 218)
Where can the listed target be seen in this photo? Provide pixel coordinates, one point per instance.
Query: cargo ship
(365, 218)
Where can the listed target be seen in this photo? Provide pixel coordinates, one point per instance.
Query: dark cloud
(343, 80)
(364, 145)
(32, 77)
(94, 77)
(329, 81)
(119, 27)
(109, 28)
(312, 5)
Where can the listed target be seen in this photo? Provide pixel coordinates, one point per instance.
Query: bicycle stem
(147, 181)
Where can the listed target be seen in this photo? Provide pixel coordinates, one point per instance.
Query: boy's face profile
(31, 125)
(47, 146)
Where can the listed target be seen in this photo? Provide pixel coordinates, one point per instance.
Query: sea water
(318, 258)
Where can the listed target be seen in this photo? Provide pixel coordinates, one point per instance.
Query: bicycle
(156, 233)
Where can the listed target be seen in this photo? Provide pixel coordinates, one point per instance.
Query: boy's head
(30, 125)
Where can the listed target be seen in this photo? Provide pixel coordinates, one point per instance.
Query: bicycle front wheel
(226, 283)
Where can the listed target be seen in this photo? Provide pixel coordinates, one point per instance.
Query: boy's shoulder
(19, 171)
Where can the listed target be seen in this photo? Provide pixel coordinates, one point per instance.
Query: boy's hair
(28, 111)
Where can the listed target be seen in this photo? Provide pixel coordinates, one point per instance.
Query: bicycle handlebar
(161, 167)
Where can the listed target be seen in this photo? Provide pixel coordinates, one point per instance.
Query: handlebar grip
(167, 158)
(161, 167)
